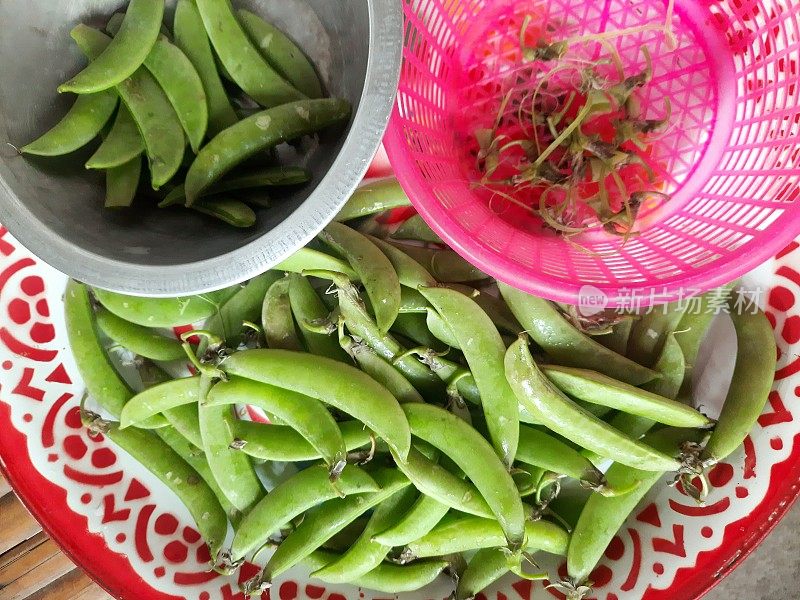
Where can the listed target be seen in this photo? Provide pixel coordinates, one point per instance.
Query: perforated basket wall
(730, 159)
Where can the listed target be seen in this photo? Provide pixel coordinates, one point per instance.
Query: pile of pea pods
(166, 95)
(434, 414)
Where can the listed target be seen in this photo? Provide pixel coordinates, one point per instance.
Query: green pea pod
(463, 533)
(308, 259)
(373, 268)
(415, 228)
(561, 415)
(308, 308)
(284, 444)
(445, 265)
(125, 54)
(191, 38)
(245, 65)
(102, 381)
(473, 455)
(139, 340)
(441, 330)
(228, 210)
(329, 519)
(596, 388)
(154, 116)
(496, 308)
(753, 376)
(160, 312)
(122, 183)
(277, 320)
(410, 273)
(244, 305)
(543, 450)
(232, 470)
(437, 482)
(185, 420)
(484, 350)
(650, 331)
(617, 339)
(290, 499)
(80, 125)
(159, 398)
(386, 578)
(412, 302)
(342, 386)
(122, 144)
(414, 327)
(484, 568)
(417, 522)
(161, 460)
(372, 198)
(365, 554)
(282, 54)
(263, 130)
(302, 413)
(602, 517)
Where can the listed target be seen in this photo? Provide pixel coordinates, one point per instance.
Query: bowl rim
(360, 145)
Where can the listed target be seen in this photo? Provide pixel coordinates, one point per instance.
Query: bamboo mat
(31, 565)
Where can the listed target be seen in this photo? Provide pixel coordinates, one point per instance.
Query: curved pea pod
(308, 259)
(329, 519)
(484, 568)
(150, 108)
(475, 456)
(334, 383)
(122, 144)
(373, 268)
(282, 54)
(366, 554)
(441, 330)
(158, 399)
(276, 318)
(484, 350)
(411, 274)
(466, 532)
(125, 54)
(160, 312)
(551, 454)
(596, 388)
(122, 183)
(185, 420)
(437, 482)
(191, 38)
(290, 499)
(602, 517)
(80, 125)
(651, 330)
(245, 65)
(753, 375)
(417, 522)
(228, 210)
(161, 460)
(138, 339)
(561, 415)
(386, 578)
(244, 305)
(445, 265)
(284, 444)
(496, 308)
(302, 413)
(308, 308)
(415, 228)
(565, 344)
(374, 197)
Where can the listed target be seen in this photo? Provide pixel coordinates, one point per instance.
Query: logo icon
(591, 301)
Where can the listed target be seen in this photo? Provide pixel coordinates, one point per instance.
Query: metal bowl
(55, 207)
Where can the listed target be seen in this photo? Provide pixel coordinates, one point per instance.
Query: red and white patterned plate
(129, 533)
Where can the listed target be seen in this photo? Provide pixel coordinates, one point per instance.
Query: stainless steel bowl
(55, 207)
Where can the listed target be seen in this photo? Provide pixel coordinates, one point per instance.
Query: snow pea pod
(139, 340)
(753, 376)
(596, 388)
(373, 268)
(302, 413)
(374, 197)
(365, 554)
(543, 450)
(414, 327)
(650, 330)
(283, 443)
(484, 350)
(154, 116)
(122, 183)
(122, 144)
(80, 125)
(445, 265)
(308, 308)
(282, 54)
(386, 578)
(565, 344)
(244, 305)
(185, 420)
(244, 63)
(159, 398)
(475, 456)
(417, 522)
(308, 259)
(415, 228)
(411, 274)
(484, 568)
(191, 38)
(441, 330)
(466, 532)
(561, 415)
(276, 318)
(334, 383)
(291, 498)
(125, 54)
(229, 210)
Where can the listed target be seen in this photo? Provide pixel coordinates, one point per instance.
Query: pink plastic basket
(731, 158)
